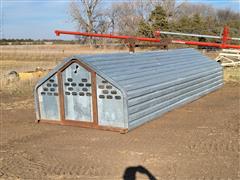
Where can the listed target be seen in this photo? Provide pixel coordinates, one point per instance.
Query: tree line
(35, 42)
(144, 17)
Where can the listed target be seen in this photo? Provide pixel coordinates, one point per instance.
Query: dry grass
(26, 58)
(17, 88)
(58, 49)
(232, 74)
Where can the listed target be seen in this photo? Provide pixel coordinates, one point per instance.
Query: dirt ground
(198, 141)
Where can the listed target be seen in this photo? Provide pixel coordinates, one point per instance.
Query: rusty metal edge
(83, 125)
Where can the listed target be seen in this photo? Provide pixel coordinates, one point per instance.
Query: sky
(37, 19)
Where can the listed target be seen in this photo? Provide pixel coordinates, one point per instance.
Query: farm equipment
(26, 75)
(229, 57)
(132, 39)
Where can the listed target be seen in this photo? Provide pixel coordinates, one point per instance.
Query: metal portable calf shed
(121, 91)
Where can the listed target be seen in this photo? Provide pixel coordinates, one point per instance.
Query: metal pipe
(195, 35)
(209, 44)
(58, 32)
(188, 34)
(237, 39)
(227, 46)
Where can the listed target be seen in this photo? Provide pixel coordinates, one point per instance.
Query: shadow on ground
(130, 173)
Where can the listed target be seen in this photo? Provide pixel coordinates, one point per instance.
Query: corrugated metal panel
(77, 93)
(153, 83)
(110, 104)
(48, 96)
(156, 82)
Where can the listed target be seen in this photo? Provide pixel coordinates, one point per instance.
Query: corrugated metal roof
(134, 71)
(154, 82)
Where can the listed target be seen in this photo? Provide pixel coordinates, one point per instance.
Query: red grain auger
(132, 39)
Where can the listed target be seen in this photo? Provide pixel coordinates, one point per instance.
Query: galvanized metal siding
(156, 82)
(151, 83)
(77, 93)
(165, 99)
(48, 97)
(110, 104)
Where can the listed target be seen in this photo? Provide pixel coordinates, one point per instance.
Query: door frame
(65, 121)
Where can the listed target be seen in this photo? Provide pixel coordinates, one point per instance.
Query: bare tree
(112, 14)
(86, 13)
(124, 18)
(143, 8)
(103, 24)
(189, 9)
(225, 15)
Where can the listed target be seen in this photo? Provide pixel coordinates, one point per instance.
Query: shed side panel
(77, 93)
(156, 82)
(48, 99)
(172, 94)
(110, 104)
